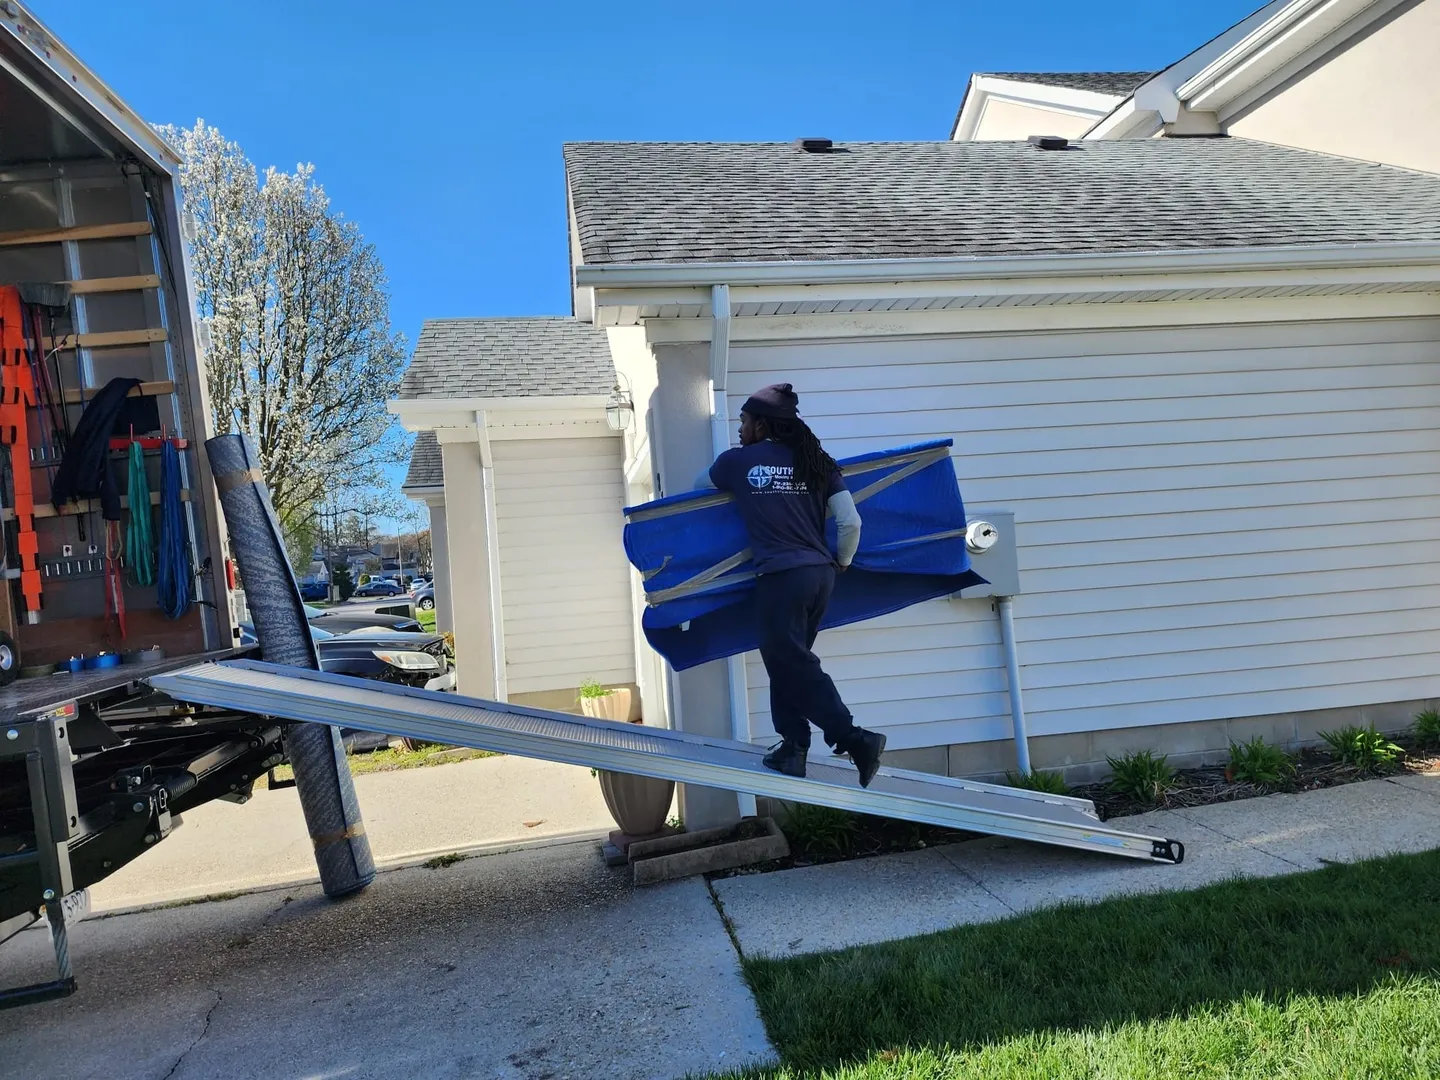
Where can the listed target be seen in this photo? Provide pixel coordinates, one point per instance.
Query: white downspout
(1005, 605)
(492, 559)
(719, 443)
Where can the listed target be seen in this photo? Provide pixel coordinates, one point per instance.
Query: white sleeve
(847, 526)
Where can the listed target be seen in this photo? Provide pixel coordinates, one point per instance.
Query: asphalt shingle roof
(1117, 83)
(426, 467)
(545, 356)
(768, 202)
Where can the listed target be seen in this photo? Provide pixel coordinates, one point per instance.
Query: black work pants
(790, 605)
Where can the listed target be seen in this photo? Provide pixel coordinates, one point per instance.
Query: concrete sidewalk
(837, 905)
(410, 814)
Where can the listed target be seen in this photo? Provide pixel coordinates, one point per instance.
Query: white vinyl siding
(1212, 522)
(564, 580)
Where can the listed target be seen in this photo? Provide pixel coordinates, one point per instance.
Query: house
(425, 483)
(1347, 77)
(531, 491)
(1200, 372)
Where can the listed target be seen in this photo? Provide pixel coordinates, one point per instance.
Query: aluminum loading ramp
(301, 695)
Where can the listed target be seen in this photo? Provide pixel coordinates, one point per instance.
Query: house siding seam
(565, 582)
(1212, 522)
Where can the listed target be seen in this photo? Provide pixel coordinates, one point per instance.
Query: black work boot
(787, 757)
(865, 748)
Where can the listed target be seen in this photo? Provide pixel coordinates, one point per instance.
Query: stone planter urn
(639, 804)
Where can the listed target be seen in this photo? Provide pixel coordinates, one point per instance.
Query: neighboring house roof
(543, 356)
(767, 202)
(1115, 83)
(426, 470)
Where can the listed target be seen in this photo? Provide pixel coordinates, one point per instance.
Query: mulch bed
(1314, 769)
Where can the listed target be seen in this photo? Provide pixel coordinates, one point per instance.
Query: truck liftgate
(301, 695)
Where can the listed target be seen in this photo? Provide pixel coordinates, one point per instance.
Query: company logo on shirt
(778, 479)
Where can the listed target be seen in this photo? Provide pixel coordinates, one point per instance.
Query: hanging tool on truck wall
(85, 470)
(17, 394)
(174, 584)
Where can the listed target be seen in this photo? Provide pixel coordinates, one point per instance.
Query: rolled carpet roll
(322, 776)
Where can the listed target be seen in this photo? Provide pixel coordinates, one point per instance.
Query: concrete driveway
(532, 965)
(411, 814)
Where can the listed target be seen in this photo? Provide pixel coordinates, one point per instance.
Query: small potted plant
(639, 804)
(603, 703)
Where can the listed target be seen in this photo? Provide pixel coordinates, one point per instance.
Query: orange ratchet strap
(17, 394)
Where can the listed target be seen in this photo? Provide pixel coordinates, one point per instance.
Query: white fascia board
(1128, 121)
(1156, 101)
(1295, 28)
(983, 88)
(124, 125)
(1078, 287)
(433, 414)
(878, 271)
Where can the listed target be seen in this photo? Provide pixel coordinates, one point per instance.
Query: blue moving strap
(693, 553)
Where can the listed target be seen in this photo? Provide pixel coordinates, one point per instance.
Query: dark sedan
(425, 598)
(343, 620)
(416, 660)
(379, 588)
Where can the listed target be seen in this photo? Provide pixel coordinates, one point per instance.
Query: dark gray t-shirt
(785, 519)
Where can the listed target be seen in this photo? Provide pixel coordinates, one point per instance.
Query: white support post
(719, 443)
(492, 559)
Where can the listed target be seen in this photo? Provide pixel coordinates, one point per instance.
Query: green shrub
(820, 830)
(592, 689)
(1362, 748)
(1427, 728)
(1141, 775)
(1051, 783)
(343, 581)
(1257, 762)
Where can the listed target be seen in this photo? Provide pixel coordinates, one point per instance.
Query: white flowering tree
(300, 355)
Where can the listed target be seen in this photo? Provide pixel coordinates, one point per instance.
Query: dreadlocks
(813, 466)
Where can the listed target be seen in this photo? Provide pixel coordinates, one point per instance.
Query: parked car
(409, 659)
(379, 587)
(425, 598)
(343, 620)
(418, 583)
(314, 590)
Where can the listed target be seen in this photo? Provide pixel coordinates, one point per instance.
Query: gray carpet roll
(322, 776)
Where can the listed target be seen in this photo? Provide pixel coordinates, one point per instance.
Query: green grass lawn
(426, 619)
(1328, 974)
(394, 758)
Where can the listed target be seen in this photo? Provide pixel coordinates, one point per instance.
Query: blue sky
(437, 125)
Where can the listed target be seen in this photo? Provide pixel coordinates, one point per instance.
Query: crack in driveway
(204, 1030)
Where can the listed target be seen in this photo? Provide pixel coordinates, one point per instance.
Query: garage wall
(1213, 522)
(564, 580)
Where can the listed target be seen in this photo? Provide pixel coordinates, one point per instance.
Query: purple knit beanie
(776, 402)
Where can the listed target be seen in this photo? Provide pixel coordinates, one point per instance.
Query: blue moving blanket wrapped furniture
(693, 554)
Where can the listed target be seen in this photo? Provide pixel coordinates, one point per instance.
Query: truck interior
(93, 289)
